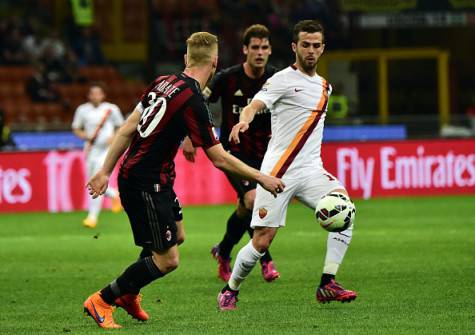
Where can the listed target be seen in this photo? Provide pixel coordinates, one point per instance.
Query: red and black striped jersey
(236, 90)
(172, 107)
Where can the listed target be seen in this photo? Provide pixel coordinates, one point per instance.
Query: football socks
(337, 244)
(246, 259)
(136, 276)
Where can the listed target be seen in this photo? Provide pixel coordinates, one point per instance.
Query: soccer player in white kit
(297, 97)
(95, 122)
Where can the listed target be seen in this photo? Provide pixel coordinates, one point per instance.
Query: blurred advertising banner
(403, 168)
(55, 181)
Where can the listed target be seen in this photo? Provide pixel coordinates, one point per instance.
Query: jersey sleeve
(78, 121)
(199, 124)
(272, 90)
(212, 92)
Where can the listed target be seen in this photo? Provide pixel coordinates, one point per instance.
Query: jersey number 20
(156, 109)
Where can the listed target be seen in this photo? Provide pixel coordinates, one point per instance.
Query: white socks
(94, 208)
(246, 259)
(95, 205)
(337, 244)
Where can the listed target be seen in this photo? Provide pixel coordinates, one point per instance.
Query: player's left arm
(189, 151)
(97, 185)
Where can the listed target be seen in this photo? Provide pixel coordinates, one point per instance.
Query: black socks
(136, 276)
(326, 278)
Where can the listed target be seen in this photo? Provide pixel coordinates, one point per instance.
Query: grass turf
(412, 261)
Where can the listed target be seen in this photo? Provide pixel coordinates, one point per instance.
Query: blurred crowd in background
(50, 50)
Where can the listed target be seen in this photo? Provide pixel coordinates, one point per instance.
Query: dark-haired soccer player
(236, 86)
(171, 108)
(297, 97)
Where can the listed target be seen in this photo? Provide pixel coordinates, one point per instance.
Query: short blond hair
(200, 47)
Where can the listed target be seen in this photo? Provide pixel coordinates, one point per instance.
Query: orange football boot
(131, 303)
(100, 311)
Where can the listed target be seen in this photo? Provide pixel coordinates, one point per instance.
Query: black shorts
(152, 216)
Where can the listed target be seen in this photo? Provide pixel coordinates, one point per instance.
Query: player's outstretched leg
(246, 259)
(100, 311)
(329, 289)
(268, 269)
(124, 290)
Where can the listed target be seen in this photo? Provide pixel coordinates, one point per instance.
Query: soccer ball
(335, 212)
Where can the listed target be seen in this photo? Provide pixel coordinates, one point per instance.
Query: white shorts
(312, 186)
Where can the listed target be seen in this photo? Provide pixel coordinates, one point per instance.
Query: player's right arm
(270, 92)
(246, 117)
(97, 185)
(227, 162)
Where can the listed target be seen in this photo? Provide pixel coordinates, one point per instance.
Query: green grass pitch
(412, 262)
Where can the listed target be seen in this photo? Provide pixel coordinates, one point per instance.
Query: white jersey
(298, 105)
(89, 118)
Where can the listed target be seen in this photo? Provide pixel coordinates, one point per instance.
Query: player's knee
(166, 263)
(262, 239)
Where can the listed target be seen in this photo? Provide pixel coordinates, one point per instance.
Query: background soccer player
(236, 86)
(95, 122)
(171, 108)
(297, 98)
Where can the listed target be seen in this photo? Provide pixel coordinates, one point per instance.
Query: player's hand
(97, 185)
(272, 184)
(238, 128)
(189, 151)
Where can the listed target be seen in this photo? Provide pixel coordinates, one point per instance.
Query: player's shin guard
(246, 259)
(337, 244)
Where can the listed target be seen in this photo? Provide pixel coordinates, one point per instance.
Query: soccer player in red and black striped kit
(170, 109)
(236, 86)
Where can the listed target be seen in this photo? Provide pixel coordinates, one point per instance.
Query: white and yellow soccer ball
(335, 212)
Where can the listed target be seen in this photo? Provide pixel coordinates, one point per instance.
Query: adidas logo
(238, 93)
